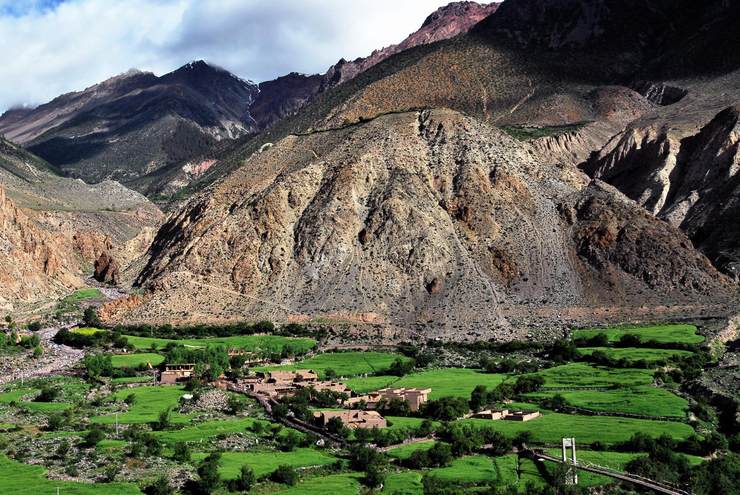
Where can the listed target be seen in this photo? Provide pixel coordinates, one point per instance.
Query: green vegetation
(636, 353)
(87, 330)
(83, 294)
(527, 133)
(267, 344)
(405, 483)
(208, 429)
(665, 334)
(472, 469)
(337, 484)
(456, 382)
(344, 363)
(150, 401)
(405, 451)
(20, 479)
(135, 360)
(641, 400)
(582, 375)
(263, 463)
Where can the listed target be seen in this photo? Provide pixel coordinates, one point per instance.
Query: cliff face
(426, 220)
(690, 180)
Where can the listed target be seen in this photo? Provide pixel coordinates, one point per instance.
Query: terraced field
(150, 401)
(582, 375)
(344, 363)
(21, 479)
(636, 353)
(679, 333)
(137, 359)
(337, 484)
(263, 463)
(642, 400)
(253, 343)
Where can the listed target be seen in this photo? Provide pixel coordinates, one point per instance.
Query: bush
(182, 452)
(445, 408)
(401, 367)
(245, 481)
(285, 474)
(93, 437)
(210, 479)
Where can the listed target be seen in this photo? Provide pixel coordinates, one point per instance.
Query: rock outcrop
(427, 220)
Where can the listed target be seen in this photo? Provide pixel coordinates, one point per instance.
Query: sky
(51, 47)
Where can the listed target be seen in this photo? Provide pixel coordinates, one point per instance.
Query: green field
(253, 343)
(636, 353)
(18, 394)
(644, 400)
(458, 382)
(344, 363)
(208, 429)
(87, 330)
(266, 462)
(83, 294)
(135, 360)
(404, 483)
(551, 426)
(150, 401)
(337, 484)
(580, 375)
(20, 479)
(471, 469)
(405, 451)
(660, 333)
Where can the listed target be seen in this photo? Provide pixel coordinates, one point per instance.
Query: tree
(478, 397)
(245, 481)
(330, 374)
(289, 441)
(445, 408)
(285, 474)
(401, 367)
(334, 425)
(160, 487)
(93, 437)
(182, 452)
(90, 317)
(98, 365)
(163, 421)
(374, 476)
(210, 479)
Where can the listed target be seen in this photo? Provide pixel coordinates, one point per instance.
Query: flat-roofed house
(352, 419)
(414, 397)
(491, 414)
(522, 415)
(174, 373)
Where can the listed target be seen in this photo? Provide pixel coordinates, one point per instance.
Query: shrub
(182, 452)
(285, 474)
(210, 479)
(445, 408)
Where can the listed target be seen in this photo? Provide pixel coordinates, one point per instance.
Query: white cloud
(49, 49)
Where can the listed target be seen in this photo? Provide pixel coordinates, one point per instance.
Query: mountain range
(506, 169)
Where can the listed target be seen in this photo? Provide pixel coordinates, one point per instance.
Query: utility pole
(116, 424)
(572, 472)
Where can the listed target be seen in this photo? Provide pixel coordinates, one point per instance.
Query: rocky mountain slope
(55, 229)
(134, 127)
(419, 220)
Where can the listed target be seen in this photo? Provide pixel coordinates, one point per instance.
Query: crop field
(679, 333)
(266, 462)
(405, 483)
(337, 484)
(253, 343)
(644, 400)
(209, 429)
(83, 294)
(21, 479)
(150, 401)
(458, 382)
(472, 469)
(582, 375)
(405, 451)
(344, 363)
(87, 330)
(551, 427)
(134, 360)
(636, 353)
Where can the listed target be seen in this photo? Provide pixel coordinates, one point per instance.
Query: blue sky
(52, 47)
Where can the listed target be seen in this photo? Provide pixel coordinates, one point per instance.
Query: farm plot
(337, 484)
(149, 402)
(264, 463)
(20, 479)
(135, 360)
(582, 375)
(406, 483)
(643, 400)
(551, 427)
(254, 343)
(469, 470)
(458, 382)
(636, 353)
(679, 333)
(405, 451)
(344, 363)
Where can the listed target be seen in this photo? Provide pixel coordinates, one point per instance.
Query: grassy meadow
(679, 333)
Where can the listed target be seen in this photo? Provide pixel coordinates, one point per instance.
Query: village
(360, 408)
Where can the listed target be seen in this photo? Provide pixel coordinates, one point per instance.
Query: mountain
(444, 23)
(136, 126)
(442, 192)
(54, 229)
